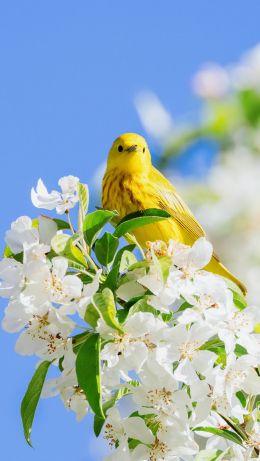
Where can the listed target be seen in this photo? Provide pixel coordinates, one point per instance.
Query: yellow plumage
(131, 183)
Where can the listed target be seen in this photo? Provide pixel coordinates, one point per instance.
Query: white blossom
(33, 241)
(237, 324)
(12, 277)
(129, 350)
(191, 259)
(184, 348)
(46, 335)
(21, 232)
(67, 387)
(118, 429)
(177, 441)
(61, 201)
(50, 283)
(180, 352)
(159, 393)
(239, 374)
(18, 313)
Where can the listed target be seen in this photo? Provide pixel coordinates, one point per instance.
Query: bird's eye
(144, 150)
(120, 148)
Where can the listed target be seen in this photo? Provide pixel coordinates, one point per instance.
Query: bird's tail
(218, 268)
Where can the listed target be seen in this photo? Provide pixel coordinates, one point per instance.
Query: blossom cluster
(176, 342)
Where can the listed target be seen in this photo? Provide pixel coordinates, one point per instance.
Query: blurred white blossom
(155, 118)
(212, 81)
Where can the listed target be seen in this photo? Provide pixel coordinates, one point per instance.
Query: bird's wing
(169, 200)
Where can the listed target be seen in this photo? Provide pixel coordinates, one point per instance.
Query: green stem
(70, 223)
(88, 257)
(80, 246)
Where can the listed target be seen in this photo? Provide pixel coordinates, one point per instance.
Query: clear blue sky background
(69, 73)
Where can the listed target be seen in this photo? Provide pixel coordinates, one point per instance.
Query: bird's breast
(123, 192)
(127, 194)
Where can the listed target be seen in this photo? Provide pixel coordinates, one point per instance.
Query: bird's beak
(132, 148)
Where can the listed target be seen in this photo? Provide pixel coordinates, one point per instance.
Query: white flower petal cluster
(66, 385)
(61, 201)
(172, 337)
(183, 379)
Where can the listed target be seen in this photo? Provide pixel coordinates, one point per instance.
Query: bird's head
(129, 152)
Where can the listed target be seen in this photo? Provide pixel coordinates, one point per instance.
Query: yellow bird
(131, 183)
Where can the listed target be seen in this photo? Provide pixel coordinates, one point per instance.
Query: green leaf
(112, 278)
(61, 363)
(9, 254)
(217, 346)
(94, 222)
(31, 399)
(99, 422)
(239, 300)
(78, 267)
(138, 219)
(222, 357)
(131, 302)
(184, 306)
(83, 203)
(86, 278)
(88, 372)
(105, 304)
(250, 102)
(242, 398)
(240, 350)
(64, 245)
(61, 224)
(79, 339)
(167, 316)
(133, 443)
(221, 433)
(238, 430)
(105, 248)
(142, 306)
(91, 316)
(213, 344)
(122, 315)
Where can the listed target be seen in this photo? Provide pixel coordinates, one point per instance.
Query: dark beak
(132, 148)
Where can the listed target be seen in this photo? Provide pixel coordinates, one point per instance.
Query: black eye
(144, 150)
(120, 148)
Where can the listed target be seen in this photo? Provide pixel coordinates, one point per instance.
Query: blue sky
(69, 73)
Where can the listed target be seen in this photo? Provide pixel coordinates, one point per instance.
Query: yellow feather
(131, 183)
